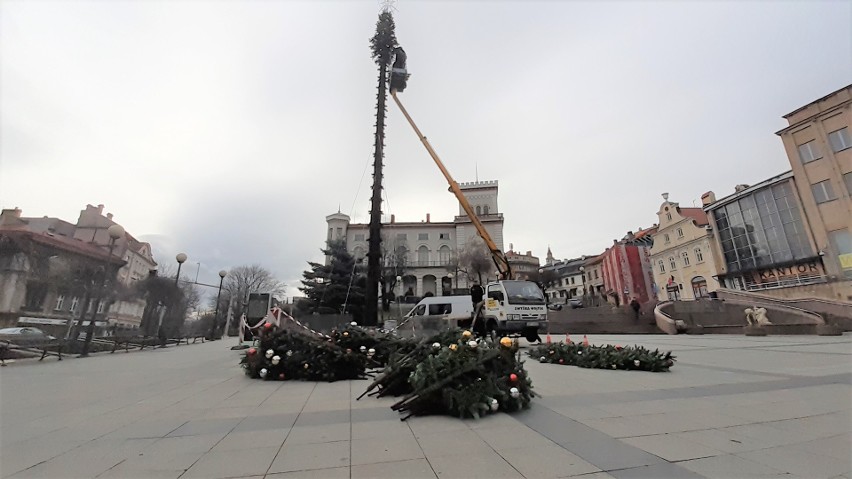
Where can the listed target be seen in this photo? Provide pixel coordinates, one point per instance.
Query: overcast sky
(229, 130)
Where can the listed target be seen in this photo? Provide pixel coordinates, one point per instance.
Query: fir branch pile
(631, 358)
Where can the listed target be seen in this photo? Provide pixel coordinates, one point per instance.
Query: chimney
(739, 188)
(109, 216)
(393, 219)
(708, 198)
(14, 213)
(428, 218)
(100, 209)
(630, 235)
(511, 247)
(529, 253)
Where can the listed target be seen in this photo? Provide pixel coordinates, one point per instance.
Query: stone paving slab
(731, 407)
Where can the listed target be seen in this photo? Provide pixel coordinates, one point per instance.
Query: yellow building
(818, 142)
(682, 256)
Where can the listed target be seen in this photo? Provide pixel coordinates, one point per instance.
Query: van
(440, 312)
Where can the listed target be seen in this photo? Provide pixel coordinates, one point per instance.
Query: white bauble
(515, 393)
(472, 344)
(263, 372)
(275, 360)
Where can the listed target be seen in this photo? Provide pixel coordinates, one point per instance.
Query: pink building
(626, 268)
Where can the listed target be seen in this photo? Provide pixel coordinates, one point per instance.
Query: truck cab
(514, 307)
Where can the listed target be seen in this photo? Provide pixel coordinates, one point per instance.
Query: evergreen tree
(339, 284)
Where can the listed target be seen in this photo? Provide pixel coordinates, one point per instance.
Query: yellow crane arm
(496, 254)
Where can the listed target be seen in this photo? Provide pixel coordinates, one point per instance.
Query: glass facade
(762, 229)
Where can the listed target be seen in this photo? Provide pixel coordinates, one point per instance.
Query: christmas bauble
(363, 349)
(346, 333)
(269, 353)
(263, 372)
(436, 345)
(353, 323)
(636, 363)
(495, 405)
(561, 361)
(542, 359)
(251, 352)
(506, 342)
(348, 351)
(513, 377)
(453, 347)
(289, 353)
(267, 325)
(466, 334)
(472, 344)
(371, 351)
(275, 360)
(281, 376)
(306, 366)
(614, 366)
(515, 393)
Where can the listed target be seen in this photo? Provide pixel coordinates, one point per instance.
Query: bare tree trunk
(375, 241)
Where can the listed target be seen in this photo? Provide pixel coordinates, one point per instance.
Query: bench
(47, 347)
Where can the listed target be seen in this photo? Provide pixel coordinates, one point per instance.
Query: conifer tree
(339, 283)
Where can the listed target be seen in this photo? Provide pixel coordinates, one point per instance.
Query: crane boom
(496, 254)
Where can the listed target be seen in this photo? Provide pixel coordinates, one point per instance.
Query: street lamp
(181, 257)
(115, 231)
(583, 273)
(222, 275)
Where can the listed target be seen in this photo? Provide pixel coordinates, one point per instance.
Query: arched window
(685, 256)
(485, 209)
(478, 210)
(662, 266)
(423, 255)
(444, 254)
(672, 264)
(698, 256)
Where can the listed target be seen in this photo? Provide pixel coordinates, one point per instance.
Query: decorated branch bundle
(453, 373)
(285, 354)
(635, 358)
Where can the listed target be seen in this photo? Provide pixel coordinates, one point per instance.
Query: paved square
(732, 407)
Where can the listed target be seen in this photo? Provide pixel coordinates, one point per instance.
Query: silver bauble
(269, 353)
(515, 393)
(275, 360)
(263, 372)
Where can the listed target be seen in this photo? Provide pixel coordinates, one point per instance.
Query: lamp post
(181, 258)
(222, 275)
(115, 232)
(583, 273)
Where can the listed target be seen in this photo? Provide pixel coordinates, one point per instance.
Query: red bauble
(281, 376)
(561, 361)
(251, 352)
(513, 377)
(267, 325)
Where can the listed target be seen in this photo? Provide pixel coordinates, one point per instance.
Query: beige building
(818, 142)
(428, 249)
(523, 265)
(682, 257)
(595, 290)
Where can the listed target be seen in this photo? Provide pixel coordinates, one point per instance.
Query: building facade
(681, 256)
(523, 265)
(569, 278)
(762, 240)
(818, 142)
(595, 290)
(626, 269)
(429, 250)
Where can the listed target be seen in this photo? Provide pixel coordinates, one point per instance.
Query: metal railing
(798, 280)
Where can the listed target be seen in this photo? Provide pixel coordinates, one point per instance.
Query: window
(680, 232)
(685, 256)
(437, 309)
(847, 178)
(809, 152)
(444, 254)
(422, 236)
(662, 266)
(423, 255)
(823, 191)
(485, 210)
(698, 256)
(478, 210)
(840, 139)
(60, 300)
(666, 237)
(74, 302)
(669, 216)
(402, 237)
(339, 233)
(841, 242)
(596, 274)
(572, 280)
(100, 307)
(359, 236)
(672, 264)
(444, 236)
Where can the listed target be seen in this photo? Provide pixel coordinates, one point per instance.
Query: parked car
(554, 307)
(575, 303)
(11, 334)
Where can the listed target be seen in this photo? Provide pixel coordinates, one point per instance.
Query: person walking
(476, 295)
(635, 306)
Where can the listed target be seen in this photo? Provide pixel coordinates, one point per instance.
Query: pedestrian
(634, 305)
(476, 294)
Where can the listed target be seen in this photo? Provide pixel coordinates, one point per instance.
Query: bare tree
(242, 280)
(475, 260)
(394, 264)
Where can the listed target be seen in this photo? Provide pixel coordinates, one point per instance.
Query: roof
(751, 189)
(696, 214)
(64, 243)
(797, 110)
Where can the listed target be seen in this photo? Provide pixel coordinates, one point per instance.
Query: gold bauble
(466, 334)
(506, 342)
(453, 347)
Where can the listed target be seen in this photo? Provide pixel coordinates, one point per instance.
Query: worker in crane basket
(399, 75)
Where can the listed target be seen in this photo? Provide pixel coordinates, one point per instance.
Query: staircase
(600, 320)
(836, 313)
